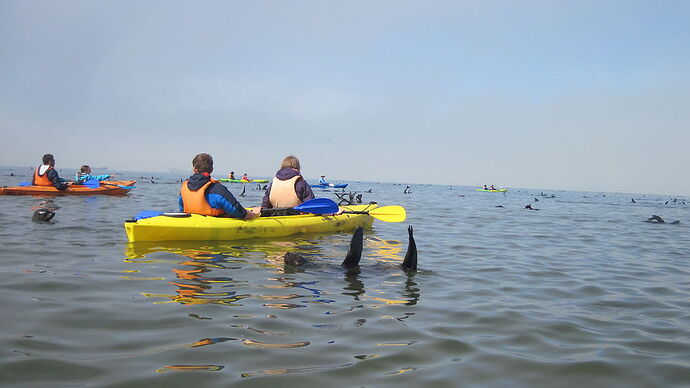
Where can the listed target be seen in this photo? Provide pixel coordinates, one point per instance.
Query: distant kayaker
(323, 181)
(46, 175)
(202, 195)
(245, 177)
(288, 188)
(231, 175)
(485, 188)
(492, 187)
(84, 175)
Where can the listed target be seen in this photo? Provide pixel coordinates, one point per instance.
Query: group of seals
(354, 254)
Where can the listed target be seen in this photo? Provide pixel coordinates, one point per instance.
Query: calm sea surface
(579, 293)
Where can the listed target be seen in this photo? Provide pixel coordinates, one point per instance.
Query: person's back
(46, 175)
(202, 195)
(288, 188)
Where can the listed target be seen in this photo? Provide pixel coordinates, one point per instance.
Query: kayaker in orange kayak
(202, 195)
(84, 175)
(46, 175)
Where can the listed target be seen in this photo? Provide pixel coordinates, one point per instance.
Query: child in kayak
(46, 175)
(202, 195)
(288, 188)
(84, 175)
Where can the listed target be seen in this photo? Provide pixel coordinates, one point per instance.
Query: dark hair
(84, 168)
(48, 158)
(203, 163)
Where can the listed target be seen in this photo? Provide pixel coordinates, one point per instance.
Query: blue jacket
(302, 188)
(217, 195)
(81, 177)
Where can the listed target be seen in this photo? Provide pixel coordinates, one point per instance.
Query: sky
(571, 95)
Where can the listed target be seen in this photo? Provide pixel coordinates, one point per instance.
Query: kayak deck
(205, 228)
(105, 188)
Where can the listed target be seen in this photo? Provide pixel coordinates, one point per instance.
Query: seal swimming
(42, 215)
(354, 254)
(658, 220)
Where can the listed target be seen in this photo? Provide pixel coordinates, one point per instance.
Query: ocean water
(578, 293)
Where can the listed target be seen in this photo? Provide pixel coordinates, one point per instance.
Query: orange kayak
(105, 188)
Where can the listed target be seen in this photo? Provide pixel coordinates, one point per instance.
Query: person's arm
(266, 202)
(55, 178)
(181, 204)
(219, 197)
(303, 190)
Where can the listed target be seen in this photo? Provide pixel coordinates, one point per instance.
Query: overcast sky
(578, 95)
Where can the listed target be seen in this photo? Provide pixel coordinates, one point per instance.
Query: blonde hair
(290, 161)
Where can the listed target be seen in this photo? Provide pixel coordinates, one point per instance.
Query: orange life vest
(283, 193)
(42, 180)
(195, 201)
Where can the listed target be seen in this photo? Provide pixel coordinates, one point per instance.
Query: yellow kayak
(197, 227)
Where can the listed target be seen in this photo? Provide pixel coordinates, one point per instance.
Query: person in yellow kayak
(200, 194)
(84, 175)
(231, 175)
(245, 178)
(46, 175)
(288, 188)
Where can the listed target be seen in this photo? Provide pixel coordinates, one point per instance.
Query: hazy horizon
(584, 96)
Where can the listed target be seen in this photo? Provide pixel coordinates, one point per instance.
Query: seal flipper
(355, 252)
(410, 262)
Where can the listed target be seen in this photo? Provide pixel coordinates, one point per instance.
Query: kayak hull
(106, 188)
(493, 191)
(331, 186)
(243, 181)
(205, 228)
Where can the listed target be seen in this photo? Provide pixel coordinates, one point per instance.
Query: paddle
(94, 184)
(394, 213)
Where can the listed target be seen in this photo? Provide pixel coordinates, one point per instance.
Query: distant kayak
(243, 181)
(105, 188)
(331, 185)
(493, 191)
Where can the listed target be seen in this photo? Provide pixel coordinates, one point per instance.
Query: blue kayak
(331, 186)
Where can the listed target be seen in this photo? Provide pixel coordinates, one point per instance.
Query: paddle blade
(318, 206)
(394, 213)
(24, 183)
(92, 184)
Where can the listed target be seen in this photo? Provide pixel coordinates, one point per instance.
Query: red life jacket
(194, 201)
(42, 180)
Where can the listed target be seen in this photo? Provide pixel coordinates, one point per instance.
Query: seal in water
(658, 220)
(410, 262)
(42, 215)
(354, 254)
